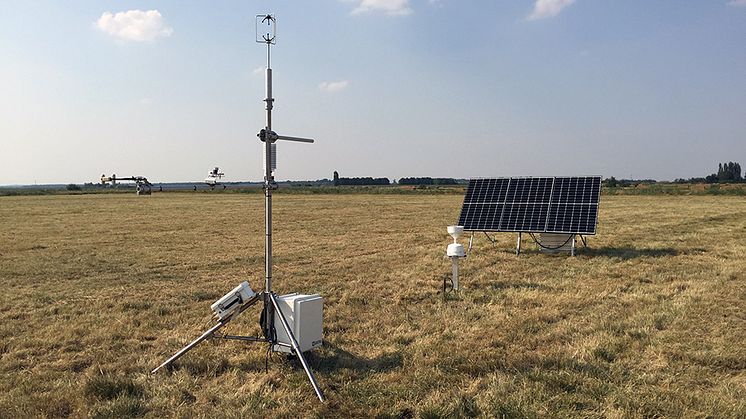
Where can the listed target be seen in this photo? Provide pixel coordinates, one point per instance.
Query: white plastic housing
(304, 314)
(455, 232)
(232, 301)
(455, 249)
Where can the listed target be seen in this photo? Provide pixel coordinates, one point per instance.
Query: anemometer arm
(272, 136)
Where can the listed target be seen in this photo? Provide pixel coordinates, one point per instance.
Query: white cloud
(390, 7)
(548, 8)
(146, 101)
(258, 71)
(333, 86)
(737, 3)
(134, 25)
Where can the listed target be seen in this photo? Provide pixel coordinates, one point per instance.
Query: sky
(388, 88)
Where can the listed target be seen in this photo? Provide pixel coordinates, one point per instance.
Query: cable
(551, 248)
(446, 280)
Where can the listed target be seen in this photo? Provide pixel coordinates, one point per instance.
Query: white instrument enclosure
(304, 314)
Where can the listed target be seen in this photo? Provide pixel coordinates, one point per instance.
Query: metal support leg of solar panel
(533, 205)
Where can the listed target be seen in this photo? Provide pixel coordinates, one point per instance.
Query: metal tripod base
(296, 347)
(210, 333)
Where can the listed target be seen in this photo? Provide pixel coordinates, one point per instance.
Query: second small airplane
(213, 178)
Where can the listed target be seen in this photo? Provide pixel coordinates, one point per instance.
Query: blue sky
(169, 89)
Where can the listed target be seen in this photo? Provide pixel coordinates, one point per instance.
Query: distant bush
(73, 187)
(692, 180)
(611, 182)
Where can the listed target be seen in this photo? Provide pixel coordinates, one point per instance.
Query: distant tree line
(614, 182)
(345, 181)
(358, 181)
(727, 172)
(427, 181)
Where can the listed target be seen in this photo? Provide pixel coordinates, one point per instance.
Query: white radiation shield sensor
(455, 249)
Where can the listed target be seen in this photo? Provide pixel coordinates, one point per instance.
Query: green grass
(99, 289)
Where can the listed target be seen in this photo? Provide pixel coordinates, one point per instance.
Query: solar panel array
(532, 204)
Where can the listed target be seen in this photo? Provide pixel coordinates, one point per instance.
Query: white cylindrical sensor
(454, 267)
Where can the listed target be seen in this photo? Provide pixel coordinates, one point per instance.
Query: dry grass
(98, 289)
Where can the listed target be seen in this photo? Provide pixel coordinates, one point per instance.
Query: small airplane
(143, 186)
(213, 178)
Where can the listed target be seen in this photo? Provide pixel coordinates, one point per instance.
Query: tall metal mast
(269, 146)
(269, 137)
(268, 36)
(243, 297)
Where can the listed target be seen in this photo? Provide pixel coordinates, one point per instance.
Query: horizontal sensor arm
(296, 139)
(272, 136)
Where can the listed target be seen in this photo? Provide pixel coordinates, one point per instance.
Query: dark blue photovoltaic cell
(482, 217)
(578, 190)
(524, 217)
(526, 204)
(486, 191)
(572, 218)
(529, 190)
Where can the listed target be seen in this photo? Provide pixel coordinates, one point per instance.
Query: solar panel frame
(562, 204)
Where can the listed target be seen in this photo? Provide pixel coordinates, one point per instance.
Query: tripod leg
(187, 348)
(296, 347)
(209, 333)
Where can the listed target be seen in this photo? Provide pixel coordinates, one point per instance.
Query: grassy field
(96, 290)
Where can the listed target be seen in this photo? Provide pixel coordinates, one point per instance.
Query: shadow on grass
(627, 253)
(333, 358)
